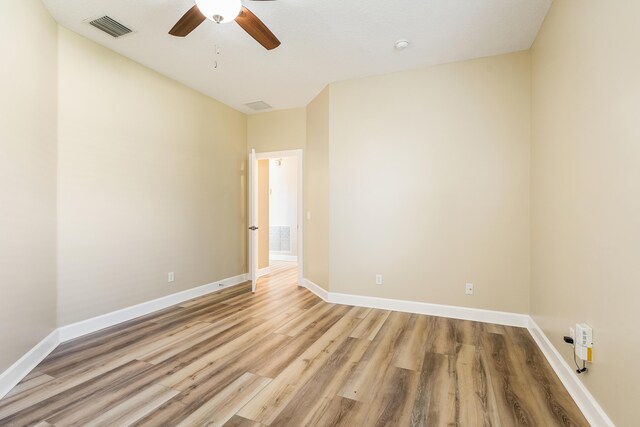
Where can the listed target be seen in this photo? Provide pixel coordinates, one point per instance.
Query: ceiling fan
(223, 11)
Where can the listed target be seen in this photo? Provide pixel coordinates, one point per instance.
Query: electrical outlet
(378, 279)
(584, 335)
(171, 277)
(572, 334)
(584, 342)
(468, 289)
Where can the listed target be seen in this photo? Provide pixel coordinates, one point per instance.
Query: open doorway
(276, 240)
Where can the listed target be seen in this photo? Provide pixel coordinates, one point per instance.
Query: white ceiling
(323, 41)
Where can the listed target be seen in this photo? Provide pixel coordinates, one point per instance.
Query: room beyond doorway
(283, 209)
(278, 210)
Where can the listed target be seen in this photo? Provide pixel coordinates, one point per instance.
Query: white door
(253, 219)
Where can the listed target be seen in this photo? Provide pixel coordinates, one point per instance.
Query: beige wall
(263, 213)
(586, 190)
(429, 184)
(150, 182)
(277, 130)
(316, 191)
(27, 177)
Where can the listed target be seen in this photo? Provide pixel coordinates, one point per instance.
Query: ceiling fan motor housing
(220, 11)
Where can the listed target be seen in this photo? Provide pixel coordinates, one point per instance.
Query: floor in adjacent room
(282, 356)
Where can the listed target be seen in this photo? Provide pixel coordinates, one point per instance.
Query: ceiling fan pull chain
(216, 52)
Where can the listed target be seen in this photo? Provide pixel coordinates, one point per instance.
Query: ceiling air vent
(110, 26)
(258, 105)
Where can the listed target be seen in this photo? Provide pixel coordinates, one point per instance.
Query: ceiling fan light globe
(220, 11)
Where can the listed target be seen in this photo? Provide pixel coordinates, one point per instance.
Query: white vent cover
(280, 238)
(110, 26)
(258, 105)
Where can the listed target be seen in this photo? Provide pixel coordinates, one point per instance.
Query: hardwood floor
(283, 357)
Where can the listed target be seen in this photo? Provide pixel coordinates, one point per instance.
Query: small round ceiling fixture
(402, 44)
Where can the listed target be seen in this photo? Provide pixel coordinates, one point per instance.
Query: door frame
(298, 154)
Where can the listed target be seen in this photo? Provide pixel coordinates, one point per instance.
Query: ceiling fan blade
(188, 22)
(256, 29)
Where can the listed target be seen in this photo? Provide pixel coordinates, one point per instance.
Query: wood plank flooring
(283, 357)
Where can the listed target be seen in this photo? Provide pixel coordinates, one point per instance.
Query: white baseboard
(97, 323)
(455, 312)
(16, 372)
(592, 411)
(264, 271)
(319, 291)
(278, 257)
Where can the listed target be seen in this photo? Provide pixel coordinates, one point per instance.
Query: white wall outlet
(378, 279)
(308, 214)
(584, 335)
(468, 289)
(572, 334)
(171, 277)
(584, 342)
